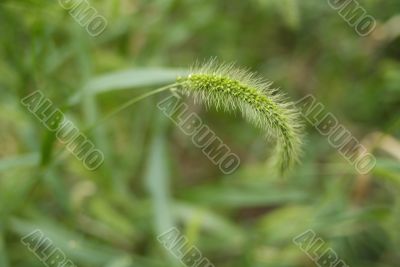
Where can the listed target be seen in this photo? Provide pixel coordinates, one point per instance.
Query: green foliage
(153, 177)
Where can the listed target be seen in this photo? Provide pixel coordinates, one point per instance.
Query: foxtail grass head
(224, 86)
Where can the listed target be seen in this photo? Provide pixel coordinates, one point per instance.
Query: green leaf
(75, 246)
(157, 178)
(241, 197)
(26, 160)
(127, 79)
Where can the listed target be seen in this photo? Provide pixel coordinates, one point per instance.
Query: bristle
(224, 86)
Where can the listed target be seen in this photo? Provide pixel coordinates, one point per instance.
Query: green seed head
(229, 88)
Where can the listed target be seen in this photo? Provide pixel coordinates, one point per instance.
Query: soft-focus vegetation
(153, 177)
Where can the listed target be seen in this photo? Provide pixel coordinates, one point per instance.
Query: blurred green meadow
(153, 177)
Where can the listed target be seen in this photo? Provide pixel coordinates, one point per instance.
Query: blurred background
(153, 177)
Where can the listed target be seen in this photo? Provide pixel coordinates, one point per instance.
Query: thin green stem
(128, 104)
